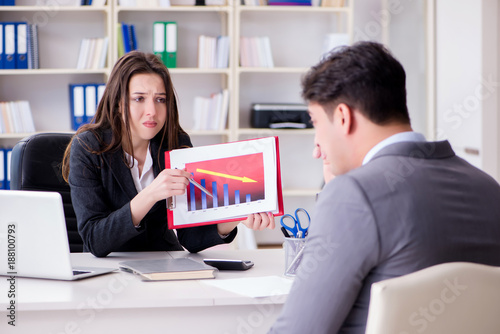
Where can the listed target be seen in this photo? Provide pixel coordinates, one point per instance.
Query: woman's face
(147, 107)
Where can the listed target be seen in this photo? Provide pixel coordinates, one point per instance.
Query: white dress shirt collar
(408, 136)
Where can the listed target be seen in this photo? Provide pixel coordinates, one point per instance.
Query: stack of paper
(16, 117)
(93, 53)
(210, 113)
(213, 52)
(256, 52)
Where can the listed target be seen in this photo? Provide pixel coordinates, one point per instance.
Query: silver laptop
(33, 237)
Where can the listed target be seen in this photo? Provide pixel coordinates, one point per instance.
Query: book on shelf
(125, 38)
(243, 177)
(213, 52)
(333, 3)
(93, 53)
(210, 113)
(169, 269)
(144, 3)
(92, 3)
(256, 52)
(289, 2)
(16, 117)
(84, 99)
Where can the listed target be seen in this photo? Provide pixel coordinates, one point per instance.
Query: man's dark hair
(366, 77)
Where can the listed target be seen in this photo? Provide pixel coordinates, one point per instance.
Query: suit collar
(426, 150)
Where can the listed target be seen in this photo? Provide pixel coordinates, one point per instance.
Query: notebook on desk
(33, 237)
(169, 269)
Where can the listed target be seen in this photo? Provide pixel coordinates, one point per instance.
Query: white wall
(467, 79)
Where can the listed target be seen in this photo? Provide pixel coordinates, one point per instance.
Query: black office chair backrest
(36, 165)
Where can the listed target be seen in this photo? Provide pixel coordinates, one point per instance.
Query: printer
(280, 116)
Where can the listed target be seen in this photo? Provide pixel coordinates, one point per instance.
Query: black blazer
(101, 190)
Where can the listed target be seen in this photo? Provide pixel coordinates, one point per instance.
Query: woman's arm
(169, 182)
(102, 210)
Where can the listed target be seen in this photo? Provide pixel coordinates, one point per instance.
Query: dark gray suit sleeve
(103, 230)
(342, 248)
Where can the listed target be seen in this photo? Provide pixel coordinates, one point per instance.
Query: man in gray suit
(398, 204)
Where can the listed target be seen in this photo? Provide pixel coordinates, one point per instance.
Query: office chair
(36, 165)
(457, 297)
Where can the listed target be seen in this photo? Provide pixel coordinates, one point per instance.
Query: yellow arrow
(239, 178)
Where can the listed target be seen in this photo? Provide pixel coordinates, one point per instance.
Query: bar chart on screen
(231, 181)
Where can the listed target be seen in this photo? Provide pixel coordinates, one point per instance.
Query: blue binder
(22, 45)
(3, 170)
(7, 158)
(90, 101)
(9, 37)
(2, 47)
(9, 2)
(133, 38)
(126, 38)
(77, 105)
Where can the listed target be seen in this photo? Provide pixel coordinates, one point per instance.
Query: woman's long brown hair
(115, 103)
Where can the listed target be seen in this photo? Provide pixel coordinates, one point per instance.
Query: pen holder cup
(294, 248)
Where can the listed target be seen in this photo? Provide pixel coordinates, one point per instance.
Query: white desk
(121, 303)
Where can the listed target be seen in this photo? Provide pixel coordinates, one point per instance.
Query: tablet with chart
(240, 177)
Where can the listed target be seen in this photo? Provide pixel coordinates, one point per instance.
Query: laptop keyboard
(79, 272)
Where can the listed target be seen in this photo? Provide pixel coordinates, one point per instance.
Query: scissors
(295, 225)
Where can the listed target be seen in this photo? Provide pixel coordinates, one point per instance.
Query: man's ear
(345, 116)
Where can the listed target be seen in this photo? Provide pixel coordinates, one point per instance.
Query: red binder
(243, 177)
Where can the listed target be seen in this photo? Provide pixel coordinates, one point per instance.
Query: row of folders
(84, 99)
(18, 45)
(5, 158)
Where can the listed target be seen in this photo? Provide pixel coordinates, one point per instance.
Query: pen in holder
(294, 248)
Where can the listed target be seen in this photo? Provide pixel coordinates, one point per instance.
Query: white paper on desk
(266, 286)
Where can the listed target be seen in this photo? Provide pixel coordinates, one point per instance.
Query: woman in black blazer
(115, 167)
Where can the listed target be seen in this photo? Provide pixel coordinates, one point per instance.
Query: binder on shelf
(90, 102)
(119, 39)
(22, 45)
(84, 99)
(171, 44)
(126, 38)
(133, 38)
(159, 40)
(2, 54)
(8, 2)
(33, 52)
(3, 168)
(8, 155)
(9, 45)
(100, 92)
(77, 104)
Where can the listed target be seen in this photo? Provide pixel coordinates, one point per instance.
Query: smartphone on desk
(223, 264)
